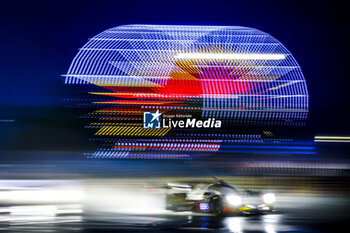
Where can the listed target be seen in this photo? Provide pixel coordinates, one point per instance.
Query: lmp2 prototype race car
(218, 198)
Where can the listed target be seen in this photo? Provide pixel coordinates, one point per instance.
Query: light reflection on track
(293, 218)
(237, 224)
(137, 205)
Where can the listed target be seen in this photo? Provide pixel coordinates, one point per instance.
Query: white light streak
(331, 140)
(179, 185)
(41, 196)
(231, 56)
(234, 200)
(269, 198)
(333, 137)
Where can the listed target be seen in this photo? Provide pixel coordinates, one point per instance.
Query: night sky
(40, 38)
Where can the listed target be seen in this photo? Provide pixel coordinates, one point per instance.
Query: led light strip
(231, 56)
(332, 139)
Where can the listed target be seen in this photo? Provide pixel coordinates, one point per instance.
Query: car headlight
(269, 198)
(234, 200)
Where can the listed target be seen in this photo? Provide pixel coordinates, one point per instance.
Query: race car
(218, 198)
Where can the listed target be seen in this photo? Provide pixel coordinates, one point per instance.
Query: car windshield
(224, 188)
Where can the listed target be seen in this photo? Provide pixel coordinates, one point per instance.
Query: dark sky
(40, 38)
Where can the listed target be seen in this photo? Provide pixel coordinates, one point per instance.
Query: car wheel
(217, 206)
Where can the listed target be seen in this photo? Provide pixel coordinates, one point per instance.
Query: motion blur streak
(237, 56)
(139, 203)
(41, 196)
(32, 191)
(332, 139)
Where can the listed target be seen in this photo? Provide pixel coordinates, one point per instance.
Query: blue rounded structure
(236, 73)
(239, 75)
